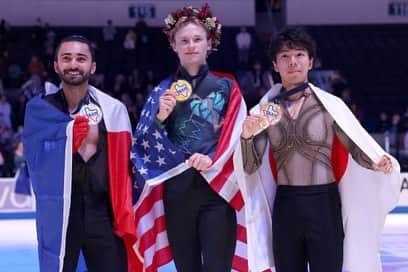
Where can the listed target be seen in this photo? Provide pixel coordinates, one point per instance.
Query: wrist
(247, 139)
(159, 118)
(246, 136)
(159, 122)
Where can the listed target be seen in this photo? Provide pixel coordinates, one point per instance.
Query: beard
(74, 80)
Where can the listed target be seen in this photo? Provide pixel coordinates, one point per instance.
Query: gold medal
(272, 113)
(182, 89)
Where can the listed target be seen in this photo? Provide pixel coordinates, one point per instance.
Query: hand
(80, 130)
(251, 125)
(200, 161)
(384, 165)
(167, 104)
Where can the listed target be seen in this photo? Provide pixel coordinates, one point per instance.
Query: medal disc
(182, 89)
(272, 113)
(92, 112)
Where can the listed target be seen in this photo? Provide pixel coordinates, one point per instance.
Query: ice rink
(18, 245)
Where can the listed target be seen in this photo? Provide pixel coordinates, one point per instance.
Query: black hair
(293, 38)
(76, 38)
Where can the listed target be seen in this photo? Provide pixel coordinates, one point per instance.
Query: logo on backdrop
(398, 8)
(147, 11)
(11, 202)
(403, 201)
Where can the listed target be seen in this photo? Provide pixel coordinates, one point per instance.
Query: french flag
(47, 140)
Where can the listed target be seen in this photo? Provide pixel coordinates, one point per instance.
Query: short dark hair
(293, 38)
(75, 38)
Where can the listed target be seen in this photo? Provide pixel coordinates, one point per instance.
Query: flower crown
(204, 15)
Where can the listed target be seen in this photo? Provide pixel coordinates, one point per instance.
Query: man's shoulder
(52, 97)
(222, 76)
(222, 80)
(38, 101)
(323, 94)
(100, 95)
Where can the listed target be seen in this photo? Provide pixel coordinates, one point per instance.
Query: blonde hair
(182, 23)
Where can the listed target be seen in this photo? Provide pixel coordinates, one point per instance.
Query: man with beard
(77, 142)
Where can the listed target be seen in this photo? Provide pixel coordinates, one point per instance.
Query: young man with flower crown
(194, 116)
(316, 185)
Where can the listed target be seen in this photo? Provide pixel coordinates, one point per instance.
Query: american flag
(156, 159)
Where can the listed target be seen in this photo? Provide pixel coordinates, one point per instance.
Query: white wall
(326, 12)
(96, 12)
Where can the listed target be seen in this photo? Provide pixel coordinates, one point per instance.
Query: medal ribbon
(284, 95)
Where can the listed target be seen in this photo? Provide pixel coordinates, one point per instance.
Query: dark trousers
(90, 229)
(308, 228)
(201, 226)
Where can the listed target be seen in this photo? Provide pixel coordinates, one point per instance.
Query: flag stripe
(120, 184)
(149, 237)
(222, 177)
(172, 172)
(272, 164)
(339, 158)
(148, 202)
(161, 257)
(150, 253)
(241, 233)
(236, 102)
(67, 191)
(237, 202)
(145, 223)
(241, 249)
(240, 264)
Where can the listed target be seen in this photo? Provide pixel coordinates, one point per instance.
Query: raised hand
(252, 124)
(167, 104)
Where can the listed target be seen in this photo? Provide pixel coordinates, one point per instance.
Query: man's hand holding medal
(179, 91)
(265, 115)
(85, 130)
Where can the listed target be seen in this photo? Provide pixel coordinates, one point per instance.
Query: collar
(84, 101)
(285, 94)
(202, 72)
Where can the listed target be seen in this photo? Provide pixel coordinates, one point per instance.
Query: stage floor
(18, 245)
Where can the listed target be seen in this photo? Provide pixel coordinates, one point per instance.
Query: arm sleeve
(359, 156)
(252, 152)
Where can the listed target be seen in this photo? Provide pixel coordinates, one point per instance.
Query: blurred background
(361, 58)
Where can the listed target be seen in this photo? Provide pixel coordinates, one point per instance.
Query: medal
(272, 113)
(182, 89)
(92, 112)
